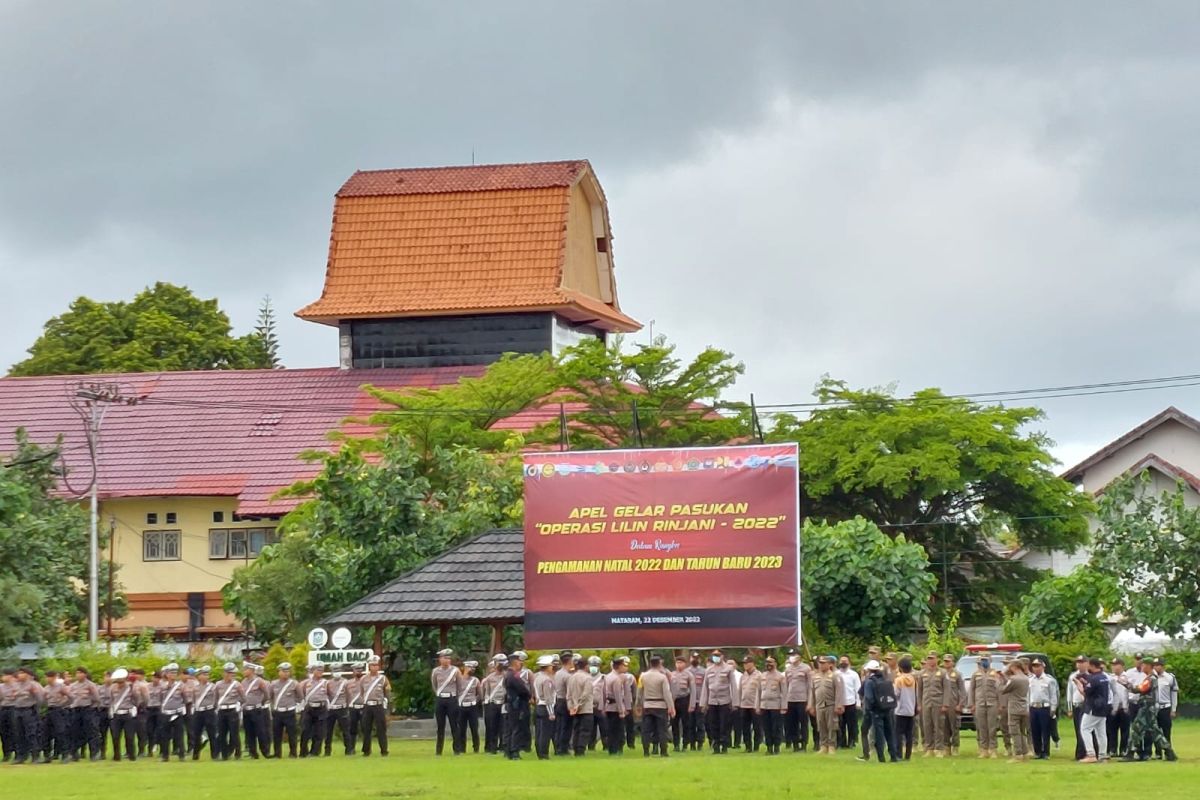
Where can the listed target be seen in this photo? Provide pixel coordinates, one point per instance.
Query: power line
(549, 410)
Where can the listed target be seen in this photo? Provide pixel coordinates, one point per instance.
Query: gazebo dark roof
(480, 581)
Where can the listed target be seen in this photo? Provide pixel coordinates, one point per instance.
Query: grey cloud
(1033, 157)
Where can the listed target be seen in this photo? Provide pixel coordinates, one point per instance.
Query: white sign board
(317, 638)
(359, 656)
(341, 638)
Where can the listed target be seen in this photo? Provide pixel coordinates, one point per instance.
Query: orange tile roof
(455, 240)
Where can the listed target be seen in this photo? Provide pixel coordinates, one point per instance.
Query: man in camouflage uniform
(1145, 731)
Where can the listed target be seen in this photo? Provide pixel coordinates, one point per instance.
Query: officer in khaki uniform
(799, 678)
(984, 702)
(956, 699)
(580, 707)
(1016, 694)
(933, 692)
(446, 682)
(717, 700)
(286, 700)
(376, 696)
(657, 707)
(825, 703)
(748, 700)
(772, 705)
(545, 698)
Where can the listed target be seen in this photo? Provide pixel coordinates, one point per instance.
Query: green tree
(43, 551)
(601, 384)
(1063, 606)
(862, 582)
(1150, 543)
(941, 471)
(265, 339)
(463, 414)
(375, 510)
(164, 328)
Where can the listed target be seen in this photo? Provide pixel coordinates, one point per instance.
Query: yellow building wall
(157, 590)
(579, 270)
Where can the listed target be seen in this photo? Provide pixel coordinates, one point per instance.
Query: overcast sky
(975, 196)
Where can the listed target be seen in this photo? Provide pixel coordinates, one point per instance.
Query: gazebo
(478, 582)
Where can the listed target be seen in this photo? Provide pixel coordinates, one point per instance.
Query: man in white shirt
(1168, 701)
(848, 725)
(735, 682)
(1043, 706)
(1118, 714)
(1075, 704)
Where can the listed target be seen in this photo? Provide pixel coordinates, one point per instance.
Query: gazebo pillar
(497, 637)
(443, 634)
(377, 644)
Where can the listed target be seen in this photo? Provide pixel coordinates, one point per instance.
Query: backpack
(885, 696)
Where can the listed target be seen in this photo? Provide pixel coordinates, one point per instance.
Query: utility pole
(97, 397)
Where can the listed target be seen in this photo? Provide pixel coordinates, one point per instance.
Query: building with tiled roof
(456, 265)
(431, 275)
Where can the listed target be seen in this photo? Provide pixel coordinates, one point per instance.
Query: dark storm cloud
(1023, 176)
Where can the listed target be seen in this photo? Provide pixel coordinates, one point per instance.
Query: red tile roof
(457, 240)
(232, 433)
(481, 178)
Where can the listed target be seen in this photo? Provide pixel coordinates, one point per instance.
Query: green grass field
(412, 771)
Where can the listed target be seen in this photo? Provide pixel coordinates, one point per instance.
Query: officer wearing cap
(956, 699)
(1075, 703)
(377, 697)
(123, 711)
(615, 708)
(286, 700)
(469, 701)
(580, 707)
(799, 680)
(716, 701)
(564, 665)
(255, 692)
(446, 682)
(516, 704)
(545, 698)
(493, 704)
(84, 699)
(204, 714)
(312, 714)
(354, 716)
(599, 701)
(230, 698)
(683, 695)
(657, 706)
(825, 703)
(172, 712)
(772, 705)
(338, 690)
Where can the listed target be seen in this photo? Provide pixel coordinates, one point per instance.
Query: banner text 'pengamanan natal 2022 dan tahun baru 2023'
(685, 547)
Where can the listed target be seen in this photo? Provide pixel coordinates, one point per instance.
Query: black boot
(1170, 753)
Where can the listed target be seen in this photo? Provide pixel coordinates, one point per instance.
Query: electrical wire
(551, 409)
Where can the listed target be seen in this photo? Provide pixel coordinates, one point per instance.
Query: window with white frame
(239, 542)
(162, 545)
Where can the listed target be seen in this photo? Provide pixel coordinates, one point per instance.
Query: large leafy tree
(644, 397)
(945, 472)
(591, 396)
(164, 328)
(862, 582)
(43, 551)
(376, 509)
(1150, 543)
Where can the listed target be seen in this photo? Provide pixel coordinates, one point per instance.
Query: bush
(862, 582)
(1062, 652)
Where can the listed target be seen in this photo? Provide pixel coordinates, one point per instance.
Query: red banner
(692, 547)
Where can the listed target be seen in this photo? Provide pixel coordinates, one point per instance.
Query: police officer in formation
(576, 707)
